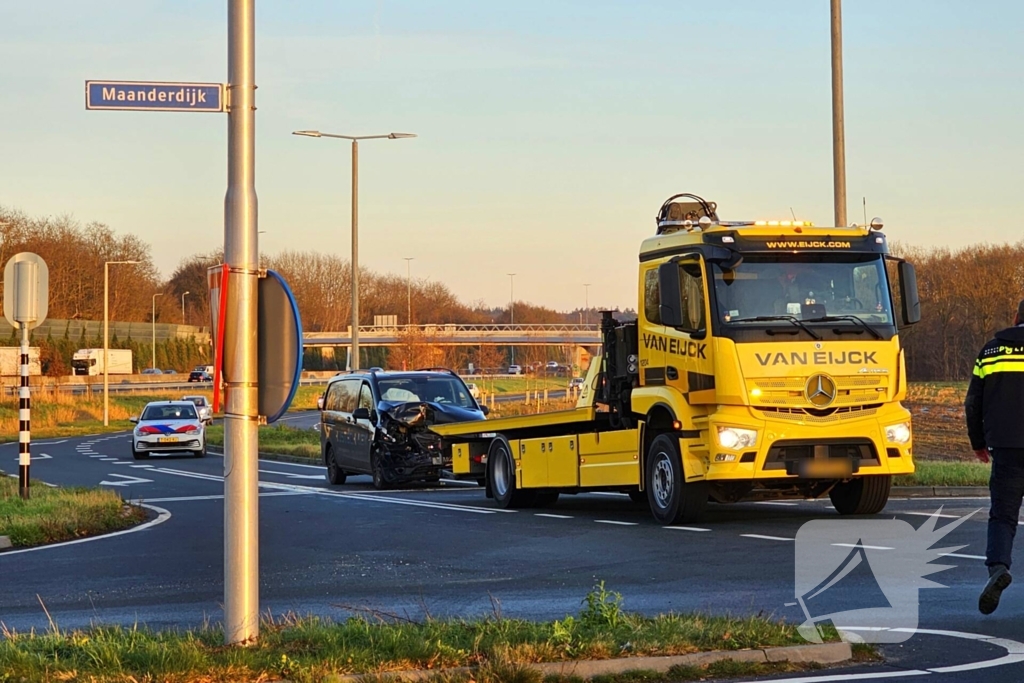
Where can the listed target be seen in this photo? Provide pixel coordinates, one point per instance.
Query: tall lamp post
(838, 117)
(106, 335)
(183, 306)
(408, 287)
(586, 305)
(153, 320)
(512, 308)
(355, 220)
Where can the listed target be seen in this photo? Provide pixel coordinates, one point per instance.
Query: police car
(168, 427)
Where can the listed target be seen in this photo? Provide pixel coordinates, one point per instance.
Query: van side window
(365, 397)
(334, 395)
(652, 297)
(350, 395)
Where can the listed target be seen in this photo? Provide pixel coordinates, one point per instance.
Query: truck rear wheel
(861, 496)
(671, 498)
(501, 477)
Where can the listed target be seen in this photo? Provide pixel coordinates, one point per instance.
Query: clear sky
(549, 131)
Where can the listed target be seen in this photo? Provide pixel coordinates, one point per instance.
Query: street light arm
(318, 134)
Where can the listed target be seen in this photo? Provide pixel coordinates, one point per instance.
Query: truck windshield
(805, 287)
(83, 362)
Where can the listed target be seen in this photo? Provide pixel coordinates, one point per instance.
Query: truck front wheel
(862, 496)
(671, 498)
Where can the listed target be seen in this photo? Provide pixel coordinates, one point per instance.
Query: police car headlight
(735, 437)
(898, 433)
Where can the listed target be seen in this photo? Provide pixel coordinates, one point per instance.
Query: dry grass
(52, 515)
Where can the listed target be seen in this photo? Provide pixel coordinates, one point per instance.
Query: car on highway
(170, 372)
(151, 371)
(200, 376)
(515, 370)
(203, 405)
(377, 423)
(168, 427)
(575, 383)
(474, 390)
(552, 365)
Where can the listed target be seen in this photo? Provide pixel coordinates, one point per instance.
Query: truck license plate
(827, 468)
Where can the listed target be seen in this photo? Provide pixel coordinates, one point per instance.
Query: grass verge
(280, 439)
(945, 474)
(310, 648)
(52, 515)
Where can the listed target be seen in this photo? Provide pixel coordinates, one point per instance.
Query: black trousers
(1006, 487)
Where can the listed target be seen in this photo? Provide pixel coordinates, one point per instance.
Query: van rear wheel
(672, 499)
(335, 475)
(861, 496)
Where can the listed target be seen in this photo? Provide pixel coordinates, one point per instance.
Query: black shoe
(998, 580)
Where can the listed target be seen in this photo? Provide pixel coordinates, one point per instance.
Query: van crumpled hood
(424, 413)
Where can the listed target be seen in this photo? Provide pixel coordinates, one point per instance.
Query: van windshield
(443, 389)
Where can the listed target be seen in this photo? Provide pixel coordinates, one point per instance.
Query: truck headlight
(898, 433)
(735, 437)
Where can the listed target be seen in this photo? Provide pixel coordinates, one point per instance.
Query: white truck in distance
(90, 362)
(10, 361)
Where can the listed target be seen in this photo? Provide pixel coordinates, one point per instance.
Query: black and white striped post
(26, 291)
(24, 419)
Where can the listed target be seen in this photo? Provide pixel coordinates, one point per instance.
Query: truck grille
(851, 390)
(820, 416)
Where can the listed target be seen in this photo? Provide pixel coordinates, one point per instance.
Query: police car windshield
(805, 287)
(442, 389)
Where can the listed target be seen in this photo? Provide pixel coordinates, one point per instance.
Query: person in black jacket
(995, 425)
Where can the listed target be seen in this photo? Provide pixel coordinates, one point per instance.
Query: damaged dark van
(376, 423)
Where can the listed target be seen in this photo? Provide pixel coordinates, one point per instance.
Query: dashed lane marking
(865, 547)
(965, 557)
(267, 494)
(551, 515)
(687, 528)
(612, 521)
(775, 502)
(766, 538)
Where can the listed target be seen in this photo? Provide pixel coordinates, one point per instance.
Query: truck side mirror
(670, 292)
(909, 299)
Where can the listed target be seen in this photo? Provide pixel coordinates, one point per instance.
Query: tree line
(966, 294)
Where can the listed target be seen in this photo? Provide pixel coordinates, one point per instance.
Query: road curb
(826, 653)
(939, 491)
(279, 457)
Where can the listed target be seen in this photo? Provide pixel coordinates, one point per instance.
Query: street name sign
(154, 96)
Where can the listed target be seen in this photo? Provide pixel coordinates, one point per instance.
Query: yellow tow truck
(765, 363)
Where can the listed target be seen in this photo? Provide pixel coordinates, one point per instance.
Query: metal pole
(106, 343)
(24, 418)
(355, 255)
(408, 287)
(241, 253)
(153, 320)
(183, 306)
(586, 306)
(512, 309)
(838, 133)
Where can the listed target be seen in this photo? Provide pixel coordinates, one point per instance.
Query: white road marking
(929, 514)
(612, 521)
(687, 528)
(97, 456)
(292, 475)
(775, 502)
(551, 515)
(279, 462)
(966, 557)
(766, 538)
(267, 494)
(124, 462)
(865, 547)
(162, 516)
(128, 480)
(144, 467)
(607, 493)
(107, 459)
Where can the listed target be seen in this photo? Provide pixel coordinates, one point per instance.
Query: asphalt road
(449, 551)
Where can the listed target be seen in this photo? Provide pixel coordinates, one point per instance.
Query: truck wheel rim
(501, 473)
(663, 481)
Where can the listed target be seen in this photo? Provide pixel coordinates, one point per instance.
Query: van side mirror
(485, 410)
(909, 299)
(361, 414)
